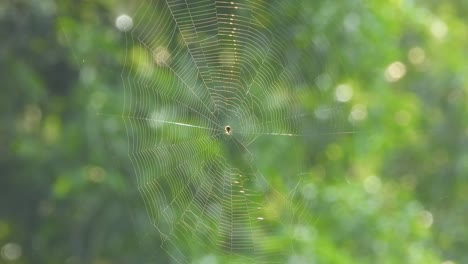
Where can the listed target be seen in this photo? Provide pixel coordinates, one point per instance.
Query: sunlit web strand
(187, 176)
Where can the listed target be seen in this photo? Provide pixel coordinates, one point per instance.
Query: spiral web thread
(193, 68)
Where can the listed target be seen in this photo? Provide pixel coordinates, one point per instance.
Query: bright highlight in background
(439, 29)
(416, 55)
(161, 56)
(372, 184)
(358, 113)
(11, 251)
(124, 23)
(395, 71)
(344, 93)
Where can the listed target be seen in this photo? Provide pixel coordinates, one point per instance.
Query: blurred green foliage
(394, 192)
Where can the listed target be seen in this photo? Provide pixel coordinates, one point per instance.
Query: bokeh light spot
(161, 56)
(448, 262)
(208, 259)
(309, 191)
(439, 29)
(343, 93)
(416, 55)
(351, 22)
(426, 219)
(124, 23)
(96, 174)
(302, 233)
(395, 71)
(323, 81)
(32, 118)
(372, 184)
(11, 251)
(358, 113)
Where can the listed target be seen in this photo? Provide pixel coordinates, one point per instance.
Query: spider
(227, 130)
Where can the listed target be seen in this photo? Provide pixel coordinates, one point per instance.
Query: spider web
(191, 69)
